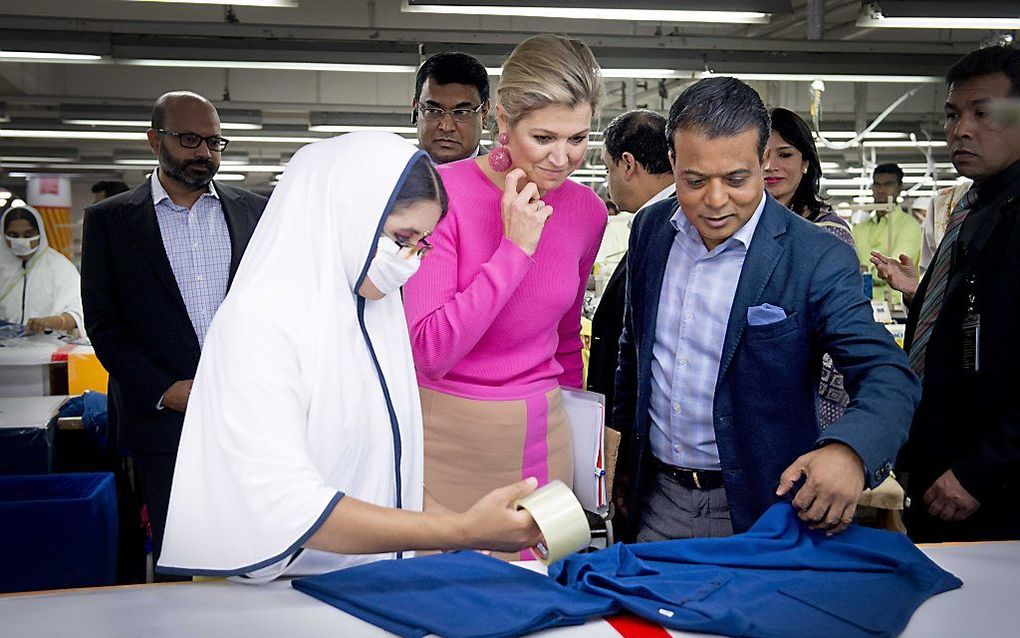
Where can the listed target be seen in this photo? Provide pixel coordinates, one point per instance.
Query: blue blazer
(765, 396)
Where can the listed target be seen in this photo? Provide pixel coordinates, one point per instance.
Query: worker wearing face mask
(39, 287)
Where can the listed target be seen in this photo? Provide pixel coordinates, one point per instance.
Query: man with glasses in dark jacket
(156, 264)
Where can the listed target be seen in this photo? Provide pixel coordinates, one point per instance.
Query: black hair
(423, 184)
(110, 187)
(642, 134)
(21, 213)
(453, 67)
(719, 107)
(889, 169)
(795, 131)
(988, 61)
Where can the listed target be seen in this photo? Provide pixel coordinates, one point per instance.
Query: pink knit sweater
(486, 320)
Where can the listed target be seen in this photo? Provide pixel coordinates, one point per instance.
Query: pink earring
(499, 157)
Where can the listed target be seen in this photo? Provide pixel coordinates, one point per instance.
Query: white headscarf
(297, 399)
(54, 285)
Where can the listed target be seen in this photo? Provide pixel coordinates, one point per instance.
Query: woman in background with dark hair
(793, 174)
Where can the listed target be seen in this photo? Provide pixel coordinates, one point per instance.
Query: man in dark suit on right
(156, 263)
(963, 454)
(732, 300)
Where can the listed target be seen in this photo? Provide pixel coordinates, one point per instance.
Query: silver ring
(539, 205)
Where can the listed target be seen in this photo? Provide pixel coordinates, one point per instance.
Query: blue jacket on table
(765, 396)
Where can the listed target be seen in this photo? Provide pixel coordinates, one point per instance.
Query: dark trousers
(155, 477)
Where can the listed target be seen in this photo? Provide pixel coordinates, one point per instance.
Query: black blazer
(970, 423)
(134, 313)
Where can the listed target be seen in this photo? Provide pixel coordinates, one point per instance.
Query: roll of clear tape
(560, 518)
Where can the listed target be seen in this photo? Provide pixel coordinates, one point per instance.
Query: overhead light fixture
(830, 77)
(37, 154)
(229, 177)
(347, 122)
(140, 117)
(874, 135)
(636, 11)
(939, 14)
(281, 4)
(270, 65)
(904, 143)
(46, 56)
(42, 134)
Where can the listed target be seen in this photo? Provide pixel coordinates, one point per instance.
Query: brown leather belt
(692, 479)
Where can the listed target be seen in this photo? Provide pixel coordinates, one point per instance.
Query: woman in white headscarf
(39, 287)
(302, 444)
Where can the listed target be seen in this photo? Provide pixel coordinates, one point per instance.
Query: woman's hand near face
(524, 214)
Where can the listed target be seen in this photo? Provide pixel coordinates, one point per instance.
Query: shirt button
(676, 407)
(690, 315)
(683, 362)
(199, 277)
(698, 268)
(195, 245)
(205, 313)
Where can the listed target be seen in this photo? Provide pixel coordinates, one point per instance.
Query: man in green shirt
(892, 233)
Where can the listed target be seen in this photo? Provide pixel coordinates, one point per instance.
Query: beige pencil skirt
(473, 447)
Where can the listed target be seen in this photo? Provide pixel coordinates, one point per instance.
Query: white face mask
(22, 246)
(392, 266)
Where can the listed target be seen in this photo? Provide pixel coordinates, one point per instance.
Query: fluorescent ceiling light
(241, 3)
(971, 14)
(904, 144)
(594, 13)
(70, 135)
(830, 77)
(350, 128)
(276, 139)
(229, 177)
(271, 66)
(18, 202)
(942, 23)
(44, 56)
(226, 126)
(874, 135)
(5, 194)
(34, 158)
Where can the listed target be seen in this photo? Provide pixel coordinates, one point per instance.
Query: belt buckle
(694, 475)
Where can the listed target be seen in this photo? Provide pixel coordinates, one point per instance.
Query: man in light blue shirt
(731, 302)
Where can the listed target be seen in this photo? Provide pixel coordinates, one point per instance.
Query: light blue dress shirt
(197, 243)
(694, 310)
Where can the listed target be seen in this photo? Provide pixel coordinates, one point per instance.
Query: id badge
(971, 360)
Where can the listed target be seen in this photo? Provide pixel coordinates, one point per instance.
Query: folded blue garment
(456, 595)
(764, 314)
(779, 579)
(93, 408)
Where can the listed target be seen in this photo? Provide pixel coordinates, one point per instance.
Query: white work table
(985, 606)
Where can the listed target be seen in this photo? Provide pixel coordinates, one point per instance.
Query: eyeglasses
(215, 143)
(434, 114)
(420, 247)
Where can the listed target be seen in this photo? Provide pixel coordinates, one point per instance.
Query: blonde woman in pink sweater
(494, 312)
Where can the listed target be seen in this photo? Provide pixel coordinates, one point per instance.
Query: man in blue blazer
(732, 300)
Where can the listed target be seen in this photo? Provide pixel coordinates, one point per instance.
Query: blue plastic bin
(57, 531)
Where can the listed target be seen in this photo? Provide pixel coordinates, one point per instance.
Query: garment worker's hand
(948, 500)
(900, 274)
(493, 523)
(176, 397)
(42, 324)
(834, 482)
(524, 213)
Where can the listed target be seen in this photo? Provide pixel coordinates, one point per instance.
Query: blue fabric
(693, 311)
(764, 314)
(764, 408)
(779, 580)
(57, 531)
(456, 595)
(92, 407)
